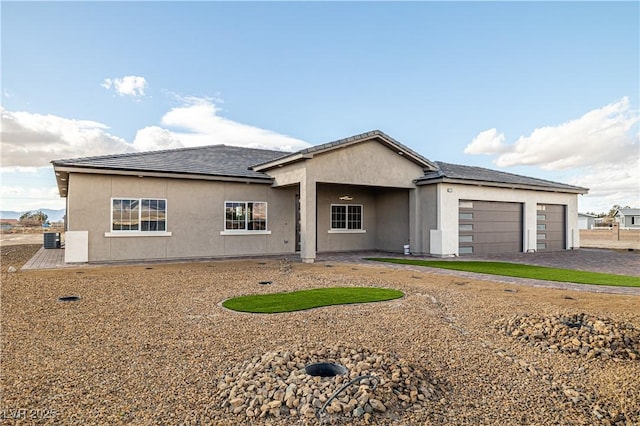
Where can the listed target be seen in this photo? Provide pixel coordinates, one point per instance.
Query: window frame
(245, 230)
(346, 229)
(138, 232)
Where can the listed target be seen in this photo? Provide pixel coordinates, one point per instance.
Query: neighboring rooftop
(628, 212)
(456, 173)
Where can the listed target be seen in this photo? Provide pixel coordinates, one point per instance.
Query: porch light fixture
(346, 198)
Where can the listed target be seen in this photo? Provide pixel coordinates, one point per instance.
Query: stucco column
(530, 222)
(415, 223)
(307, 220)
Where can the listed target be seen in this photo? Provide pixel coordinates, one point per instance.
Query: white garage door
(486, 227)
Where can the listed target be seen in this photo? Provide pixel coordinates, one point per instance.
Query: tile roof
(386, 139)
(214, 160)
(457, 172)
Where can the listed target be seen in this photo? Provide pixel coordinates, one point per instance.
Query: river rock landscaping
(578, 334)
(276, 384)
(151, 344)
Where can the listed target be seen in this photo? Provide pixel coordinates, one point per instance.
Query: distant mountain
(52, 215)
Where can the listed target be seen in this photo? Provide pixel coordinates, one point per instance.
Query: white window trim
(137, 234)
(134, 232)
(236, 232)
(243, 232)
(346, 230)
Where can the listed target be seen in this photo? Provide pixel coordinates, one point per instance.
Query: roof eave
(570, 190)
(62, 169)
(280, 162)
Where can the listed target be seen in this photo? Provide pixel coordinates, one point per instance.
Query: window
(541, 226)
(346, 216)
(465, 250)
(138, 214)
(465, 227)
(245, 216)
(635, 220)
(465, 204)
(466, 216)
(465, 238)
(541, 207)
(542, 217)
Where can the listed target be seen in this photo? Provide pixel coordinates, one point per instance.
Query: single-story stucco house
(365, 192)
(628, 218)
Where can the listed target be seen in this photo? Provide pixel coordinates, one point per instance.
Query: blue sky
(544, 89)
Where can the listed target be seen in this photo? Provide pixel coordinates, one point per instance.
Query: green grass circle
(308, 299)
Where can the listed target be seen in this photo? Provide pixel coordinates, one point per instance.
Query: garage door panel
(490, 227)
(496, 217)
(493, 237)
(551, 225)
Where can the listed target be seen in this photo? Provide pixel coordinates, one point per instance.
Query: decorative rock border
(579, 334)
(275, 385)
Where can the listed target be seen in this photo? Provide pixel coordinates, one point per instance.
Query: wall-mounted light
(449, 189)
(346, 198)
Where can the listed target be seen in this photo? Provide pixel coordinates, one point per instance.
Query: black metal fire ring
(325, 369)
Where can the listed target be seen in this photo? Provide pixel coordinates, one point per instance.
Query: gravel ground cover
(151, 344)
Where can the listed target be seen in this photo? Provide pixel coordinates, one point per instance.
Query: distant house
(7, 224)
(365, 192)
(628, 218)
(586, 220)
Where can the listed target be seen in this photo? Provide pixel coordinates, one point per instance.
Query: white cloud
(33, 140)
(599, 151)
(130, 85)
(30, 141)
(610, 185)
(487, 142)
(601, 136)
(29, 188)
(154, 138)
(199, 117)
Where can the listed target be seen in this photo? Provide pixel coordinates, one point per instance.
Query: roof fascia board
(143, 173)
(502, 185)
(294, 158)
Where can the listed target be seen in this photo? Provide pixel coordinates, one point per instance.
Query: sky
(544, 89)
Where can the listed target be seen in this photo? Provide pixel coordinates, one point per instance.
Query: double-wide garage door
(486, 227)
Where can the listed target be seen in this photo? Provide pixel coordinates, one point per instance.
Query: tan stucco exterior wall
(195, 217)
(362, 170)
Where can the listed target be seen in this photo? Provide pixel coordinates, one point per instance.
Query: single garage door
(552, 229)
(486, 227)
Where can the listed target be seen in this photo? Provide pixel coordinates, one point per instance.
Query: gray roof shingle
(214, 160)
(479, 174)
